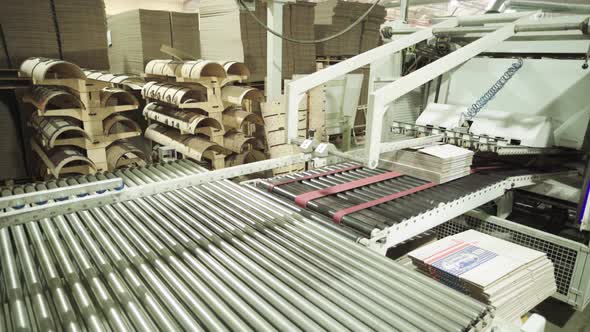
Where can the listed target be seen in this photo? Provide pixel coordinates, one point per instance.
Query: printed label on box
(464, 260)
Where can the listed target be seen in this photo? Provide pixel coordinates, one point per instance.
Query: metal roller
(215, 257)
(385, 214)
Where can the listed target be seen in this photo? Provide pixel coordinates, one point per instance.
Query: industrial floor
(561, 318)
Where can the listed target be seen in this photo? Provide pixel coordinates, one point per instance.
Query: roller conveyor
(214, 257)
(377, 202)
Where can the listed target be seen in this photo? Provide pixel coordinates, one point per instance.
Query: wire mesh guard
(563, 258)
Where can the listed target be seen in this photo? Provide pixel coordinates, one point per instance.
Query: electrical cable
(310, 41)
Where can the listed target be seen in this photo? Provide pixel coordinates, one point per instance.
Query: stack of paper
(29, 30)
(83, 32)
(435, 163)
(363, 37)
(138, 35)
(512, 278)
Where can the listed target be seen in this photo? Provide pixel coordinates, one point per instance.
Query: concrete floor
(562, 318)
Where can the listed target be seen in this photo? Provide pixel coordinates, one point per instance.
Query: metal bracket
(60, 193)
(21, 216)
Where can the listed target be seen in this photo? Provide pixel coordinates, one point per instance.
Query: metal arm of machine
(380, 99)
(297, 88)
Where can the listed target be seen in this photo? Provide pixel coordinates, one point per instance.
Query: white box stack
(435, 163)
(512, 278)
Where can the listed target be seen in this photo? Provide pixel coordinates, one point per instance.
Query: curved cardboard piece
(132, 82)
(44, 68)
(196, 69)
(236, 118)
(236, 95)
(202, 68)
(50, 98)
(124, 154)
(187, 121)
(233, 68)
(168, 68)
(191, 146)
(245, 157)
(171, 94)
(109, 124)
(117, 97)
(238, 142)
(64, 160)
(53, 129)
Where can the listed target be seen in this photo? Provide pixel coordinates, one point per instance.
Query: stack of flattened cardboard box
(138, 35)
(434, 163)
(222, 40)
(510, 277)
(71, 30)
(83, 32)
(185, 36)
(29, 30)
(219, 25)
(361, 38)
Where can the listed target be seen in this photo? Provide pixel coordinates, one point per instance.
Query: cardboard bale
(185, 33)
(230, 34)
(29, 30)
(83, 32)
(138, 35)
(361, 38)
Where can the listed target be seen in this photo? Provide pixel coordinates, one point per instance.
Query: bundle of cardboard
(434, 163)
(29, 30)
(221, 38)
(71, 30)
(512, 278)
(138, 35)
(83, 32)
(228, 33)
(361, 38)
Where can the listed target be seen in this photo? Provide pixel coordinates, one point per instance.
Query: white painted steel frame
(274, 49)
(378, 100)
(38, 212)
(382, 240)
(296, 89)
(59, 193)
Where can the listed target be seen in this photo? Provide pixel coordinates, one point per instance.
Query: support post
(404, 6)
(274, 45)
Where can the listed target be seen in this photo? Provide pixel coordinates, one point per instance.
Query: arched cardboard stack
(78, 120)
(198, 99)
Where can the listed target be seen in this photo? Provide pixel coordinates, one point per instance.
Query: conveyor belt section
(365, 199)
(214, 257)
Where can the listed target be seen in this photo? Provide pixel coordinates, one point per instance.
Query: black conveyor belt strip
(383, 215)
